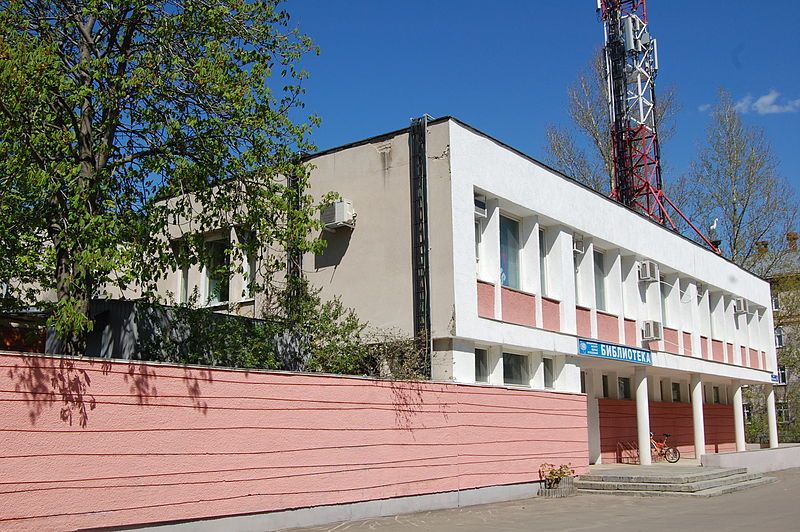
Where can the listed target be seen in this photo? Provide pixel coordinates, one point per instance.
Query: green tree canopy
(109, 108)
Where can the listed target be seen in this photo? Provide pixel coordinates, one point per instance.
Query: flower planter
(563, 488)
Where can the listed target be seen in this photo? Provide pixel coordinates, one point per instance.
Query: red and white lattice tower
(631, 64)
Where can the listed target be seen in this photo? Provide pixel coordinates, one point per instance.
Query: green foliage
(126, 126)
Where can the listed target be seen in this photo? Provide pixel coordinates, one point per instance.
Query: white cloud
(767, 104)
(703, 108)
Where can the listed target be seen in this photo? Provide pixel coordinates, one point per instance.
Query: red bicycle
(664, 450)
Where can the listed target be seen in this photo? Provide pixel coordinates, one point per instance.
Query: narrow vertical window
(716, 395)
(605, 386)
(478, 236)
(549, 376)
(217, 272)
(509, 252)
(676, 392)
(599, 280)
(624, 384)
(183, 289)
(481, 365)
(542, 262)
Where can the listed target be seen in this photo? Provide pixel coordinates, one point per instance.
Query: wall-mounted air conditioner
(578, 245)
(338, 214)
(648, 271)
(480, 206)
(651, 330)
(741, 306)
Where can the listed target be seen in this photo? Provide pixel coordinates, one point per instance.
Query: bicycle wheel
(672, 455)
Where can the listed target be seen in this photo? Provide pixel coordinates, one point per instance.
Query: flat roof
(447, 118)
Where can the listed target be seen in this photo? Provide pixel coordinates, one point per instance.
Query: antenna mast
(631, 64)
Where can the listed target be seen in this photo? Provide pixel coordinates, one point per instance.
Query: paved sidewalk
(772, 507)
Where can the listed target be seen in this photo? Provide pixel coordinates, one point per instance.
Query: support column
(697, 416)
(593, 391)
(738, 416)
(642, 415)
(771, 417)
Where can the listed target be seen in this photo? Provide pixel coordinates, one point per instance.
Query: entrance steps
(663, 480)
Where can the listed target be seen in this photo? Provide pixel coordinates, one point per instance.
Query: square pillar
(594, 389)
(642, 415)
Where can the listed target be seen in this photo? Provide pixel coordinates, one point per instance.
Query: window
(481, 365)
(543, 262)
(715, 394)
(747, 411)
(515, 369)
(605, 386)
(599, 280)
(676, 392)
(583, 382)
(216, 271)
(509, 252)
(779, 339)
(782, 411)
(549, 375)
(781, 375)
(624, 384)
(776, 302)
(478, 239)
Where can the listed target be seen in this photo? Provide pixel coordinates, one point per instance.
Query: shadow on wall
(336, 244)
(46, 383)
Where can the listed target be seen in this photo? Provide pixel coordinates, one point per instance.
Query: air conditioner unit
(338, 214)
(480, 206)
(651, 330)
(741, 306)
(577, 245)
(648, 271)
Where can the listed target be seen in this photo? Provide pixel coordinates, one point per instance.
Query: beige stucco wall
(370, 266)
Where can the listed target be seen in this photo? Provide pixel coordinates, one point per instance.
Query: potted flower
(557, 479)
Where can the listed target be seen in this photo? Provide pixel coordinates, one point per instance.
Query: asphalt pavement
(772, 507)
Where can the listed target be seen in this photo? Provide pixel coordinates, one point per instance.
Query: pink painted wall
(630, 332)
(518, 307)
(583, 317)
(687, 344)
(485, 299)
(551, 314)
(716, 351)
(755, 360)
(743, 356)
(763, 360)
(607, 327)
(729, 351)
(89, 443)
(670, 340)
(618, 423)
(704, 347)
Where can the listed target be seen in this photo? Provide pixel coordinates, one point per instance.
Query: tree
(735, 181)
(587, 156)
(119, 120)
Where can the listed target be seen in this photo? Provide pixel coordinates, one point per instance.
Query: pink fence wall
(90, 443)
(618, 423)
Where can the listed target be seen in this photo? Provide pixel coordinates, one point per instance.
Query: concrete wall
(370, 266)
(618, 424)
(90, 443)
(758, 460)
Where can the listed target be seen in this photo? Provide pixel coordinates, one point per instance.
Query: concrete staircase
(652, 481)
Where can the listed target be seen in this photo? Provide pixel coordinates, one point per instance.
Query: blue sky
(504, 66)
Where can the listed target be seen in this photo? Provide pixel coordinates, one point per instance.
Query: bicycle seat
(667, 435)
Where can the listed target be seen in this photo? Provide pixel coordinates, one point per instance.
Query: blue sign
(614, 352)
(775, 378)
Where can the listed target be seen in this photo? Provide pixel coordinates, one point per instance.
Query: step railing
(627, 452)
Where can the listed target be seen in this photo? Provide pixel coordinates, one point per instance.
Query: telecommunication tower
(631, 64)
